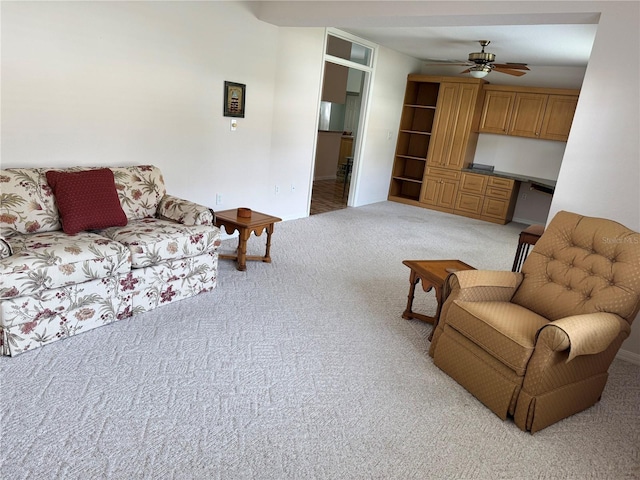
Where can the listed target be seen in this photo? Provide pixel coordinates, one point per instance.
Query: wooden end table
(529, 236)
(432, 273)
(257, 223)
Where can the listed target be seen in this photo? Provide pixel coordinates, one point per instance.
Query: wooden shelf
(433, 107)
(415, 132)
(408, 179)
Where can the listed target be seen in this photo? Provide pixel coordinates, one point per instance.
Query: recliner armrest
(184, 211)
(484, 285)
(585, 334)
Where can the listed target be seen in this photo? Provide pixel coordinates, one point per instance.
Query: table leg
(408, 314)
(266, 257)
(413, 281)
(243, 236)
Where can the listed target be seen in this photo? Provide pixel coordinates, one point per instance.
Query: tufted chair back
(582, 265)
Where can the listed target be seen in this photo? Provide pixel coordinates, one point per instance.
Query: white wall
(525, 156)
(116, 83)
(295, 119)
(600, 173)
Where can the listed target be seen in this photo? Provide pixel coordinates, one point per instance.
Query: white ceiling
(535, 45)
(430, 30)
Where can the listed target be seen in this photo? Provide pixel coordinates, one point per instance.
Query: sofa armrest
(585, 334)
(483, 285)
(184, 211)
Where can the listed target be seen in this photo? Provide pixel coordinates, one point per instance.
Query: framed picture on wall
(234, 99)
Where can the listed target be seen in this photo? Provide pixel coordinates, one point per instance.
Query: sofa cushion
(27, 205)
(504, 329)
(42, 261)
(140, 189)
(86, 200)
(153, 240)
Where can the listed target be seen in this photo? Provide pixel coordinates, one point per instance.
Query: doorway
(345, 87)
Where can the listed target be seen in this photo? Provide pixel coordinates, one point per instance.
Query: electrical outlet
(524, 196)
(276, 189)
(218, 199)
(293, 187)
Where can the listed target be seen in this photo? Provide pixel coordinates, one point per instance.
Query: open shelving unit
(414, 136)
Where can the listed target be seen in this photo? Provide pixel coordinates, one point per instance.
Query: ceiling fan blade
(509, 71)
(512, 66)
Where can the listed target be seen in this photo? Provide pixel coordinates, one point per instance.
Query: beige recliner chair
(536, 345)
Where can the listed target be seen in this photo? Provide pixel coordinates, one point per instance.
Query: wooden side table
(529, 236)
(432, 273)
(257, 223)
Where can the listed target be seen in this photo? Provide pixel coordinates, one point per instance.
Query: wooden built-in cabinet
(440, 188)
(499, 200)
(486, 197)
(438, 128)
(453, 143)
(471, 195)
(528, 111)
(441, 119)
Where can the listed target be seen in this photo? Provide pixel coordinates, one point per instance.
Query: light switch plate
(234, 124)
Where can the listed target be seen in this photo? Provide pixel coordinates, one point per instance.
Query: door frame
(369, 71)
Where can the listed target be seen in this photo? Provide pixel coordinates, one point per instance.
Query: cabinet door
(473, 183)
(334, 86)
(495, 208)
(448, 193)
(444, 125)
(469, 203)
(496, 112)
(430, 190)
(528, 111)
(459, 140)
(558, 117)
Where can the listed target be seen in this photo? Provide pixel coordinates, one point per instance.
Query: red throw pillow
(87, 200)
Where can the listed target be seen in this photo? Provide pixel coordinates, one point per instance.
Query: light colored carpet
(299, 369)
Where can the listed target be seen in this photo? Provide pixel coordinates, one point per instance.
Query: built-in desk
(543, 184)
(492, 196)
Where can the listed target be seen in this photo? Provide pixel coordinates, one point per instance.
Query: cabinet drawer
(495, 208)
(473, 183)
(469, 203)
(500, 193)
(500, 182)
(443, 173)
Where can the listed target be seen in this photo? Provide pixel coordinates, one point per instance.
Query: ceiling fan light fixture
(479, 71)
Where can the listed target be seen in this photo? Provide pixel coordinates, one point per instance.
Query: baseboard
(628, 356)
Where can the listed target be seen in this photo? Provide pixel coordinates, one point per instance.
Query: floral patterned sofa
(54, 284)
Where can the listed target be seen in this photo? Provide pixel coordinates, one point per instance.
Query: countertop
(545, 184)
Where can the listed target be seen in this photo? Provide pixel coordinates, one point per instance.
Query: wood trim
(416, 77)
(520, 89)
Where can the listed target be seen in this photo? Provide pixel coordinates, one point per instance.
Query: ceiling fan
(481, 64)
